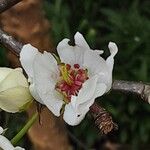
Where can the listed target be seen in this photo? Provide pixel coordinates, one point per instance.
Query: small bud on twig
(102, 118)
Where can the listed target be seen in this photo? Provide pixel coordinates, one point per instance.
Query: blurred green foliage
(127, 24)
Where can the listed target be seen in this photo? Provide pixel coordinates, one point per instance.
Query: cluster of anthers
(71, 80)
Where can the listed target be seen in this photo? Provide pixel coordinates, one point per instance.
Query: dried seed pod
(102, 118)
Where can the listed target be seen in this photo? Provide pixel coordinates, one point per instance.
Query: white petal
(100, 90)
(13, 99)
(4, 72)
(113, 50)
(45, 78)
(80, 41)
(87, 91)
(70, 54)
(71, 117)
(84, 107)
(1, 130)
(27, 56)
(18, 148)
(65, 51)
(13, 79)
(34, 93)
(53, 101)
(97, 65)
(74, 114)
(5, 143)
(99, 52)
(45, 72)
(94, 63)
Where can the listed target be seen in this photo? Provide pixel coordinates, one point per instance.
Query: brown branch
(6, 4)
(10, 43)
(138, 88)
(103, 119)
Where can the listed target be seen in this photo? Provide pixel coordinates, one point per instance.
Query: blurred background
(126, 23)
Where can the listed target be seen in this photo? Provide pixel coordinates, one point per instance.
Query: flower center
(71, 80)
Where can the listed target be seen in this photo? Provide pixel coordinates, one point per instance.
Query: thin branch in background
(138, 88)
(103, 119)
(77, 141)
(10, 43)
(6, 4)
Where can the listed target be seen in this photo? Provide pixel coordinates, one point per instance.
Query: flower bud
(14, 90)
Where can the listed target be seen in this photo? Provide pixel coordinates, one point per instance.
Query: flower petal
(4, 72)
(80, 41)
(87, 91)
(18, 148)
(5, 143)
(27, 56)
(45, 72)
(71, 117)
(94, 63)
(1, 130)
(100, 90)
(34, 93)
(65, 52)
(70, 54)
(76, 110)
(45, 77)
(110, 60)
(99, 52)
(13, 99)
(13, 79)
(53, 101)
(84, 107)
(98, 66)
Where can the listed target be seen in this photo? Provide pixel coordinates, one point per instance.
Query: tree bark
(6, 4)
(26, 22)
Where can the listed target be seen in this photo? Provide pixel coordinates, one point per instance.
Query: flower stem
(23, 131)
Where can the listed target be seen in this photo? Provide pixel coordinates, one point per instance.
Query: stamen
(76, 66)
(65, 74)
(71, 80)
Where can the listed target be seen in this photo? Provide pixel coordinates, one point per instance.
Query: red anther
(81, 71)
(76, 66)
(78, 83)
(72, 73)
(68, 66)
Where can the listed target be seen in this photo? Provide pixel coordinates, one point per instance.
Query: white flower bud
(14, 90)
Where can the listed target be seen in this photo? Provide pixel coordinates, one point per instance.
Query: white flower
(71, 86)
(14, 90)
(5, 144)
